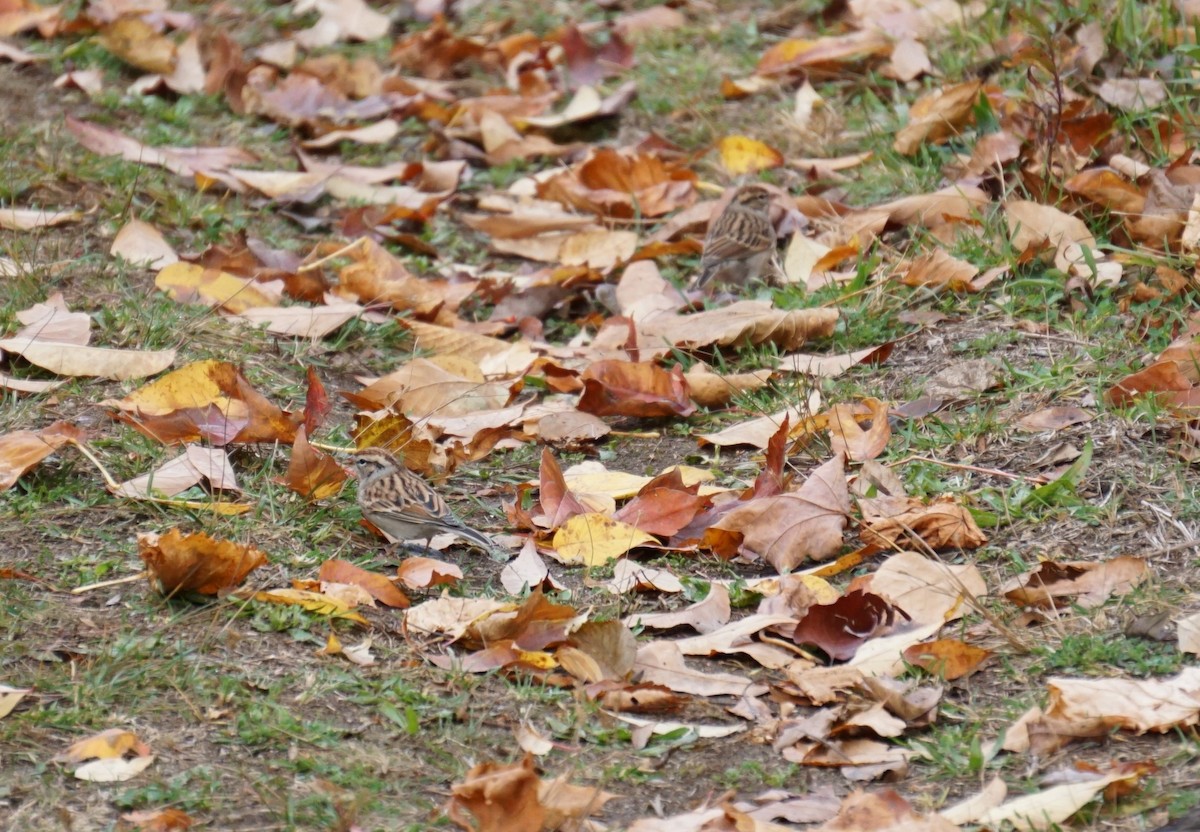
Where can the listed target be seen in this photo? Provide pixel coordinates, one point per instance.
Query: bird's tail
(482, 541)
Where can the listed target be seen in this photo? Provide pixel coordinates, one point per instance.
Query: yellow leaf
(742, 154)
(537, 658)
(190, 283)
(311, 601)
(595, 539)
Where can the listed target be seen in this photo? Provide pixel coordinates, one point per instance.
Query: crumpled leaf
(206, 400)
(312, 473)
(1086, 583)
(177, 563)
(937, 116)
(789, 528)
(942, 524)
(841, 627)
(625, 388)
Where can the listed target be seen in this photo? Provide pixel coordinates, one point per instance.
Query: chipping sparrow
(402, 505)
(740, 241)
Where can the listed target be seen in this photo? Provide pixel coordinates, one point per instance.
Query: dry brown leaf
(20, 450)
(832, 366)
(142, 244)
(942, 524)
(1054, 419)
(662, 663)
(883, 811)
(499, 798)
(929, 591)
(947, 658)
(1033, 225)
(93, 362)
(938, 269)
(625, 388)
(1086, 583)
(159, 820)
(27, 219)
(828, 52)
(110, 744)
(787, 529)
(192, 283)
(937, 116)
(622, 183)
(709, 389)
(742, 154)
(195, 465)
(839, 628)
(594, 539)
(423, 573)
(378, 586)
(177, 563)
(847, 437)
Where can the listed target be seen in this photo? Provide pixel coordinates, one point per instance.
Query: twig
(86, 451)
(1174, 547)
(995, 472)
(316, 264)
(128, 579)
(1049, 337)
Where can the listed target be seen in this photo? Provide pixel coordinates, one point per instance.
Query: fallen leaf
(937, 116)
(312, 473)
(942, 524)
(96, 362)
(158, 820)
(10, 697)
(27, 219)
(883, 811)
(315, 602)
(206, 399)
(378, 586)
(113, 770)
(661, 662)
(706, 616)
(178, 563)
(20, 450)
(629, 576)
(742, 154)
(947, 658)
(929, 592)
(197, 464)
(1033, 225)
(832, 366)
(840, 627)
(424, 573)
(1054, 419)
(594, 539)
(848, 438)
(1086, 583)
(113, 743)
(787, 529)
(142, 244)
(625, 388)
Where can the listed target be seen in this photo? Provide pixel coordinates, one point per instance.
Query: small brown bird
(740, 241)
(402, 505)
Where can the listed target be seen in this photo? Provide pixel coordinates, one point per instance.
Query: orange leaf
(948, 658)
(378, 586)
(196, 562)
(623, 388)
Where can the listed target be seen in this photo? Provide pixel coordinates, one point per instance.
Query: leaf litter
(639, 359)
